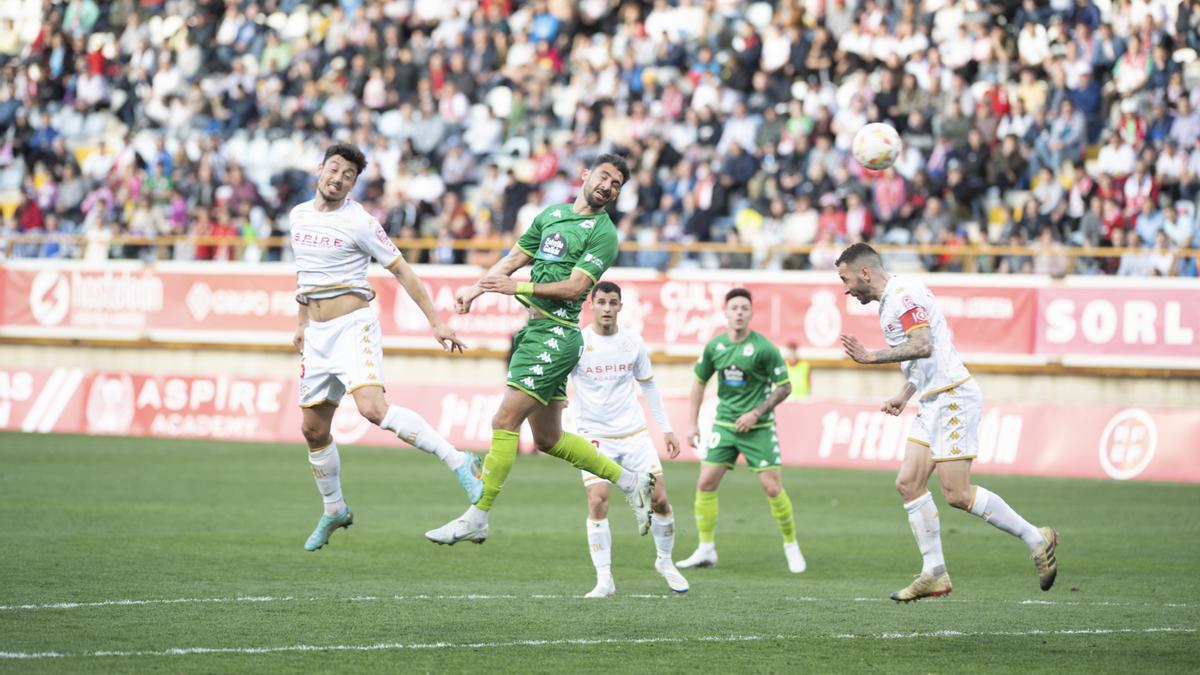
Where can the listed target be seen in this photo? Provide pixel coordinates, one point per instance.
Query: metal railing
(13, 245)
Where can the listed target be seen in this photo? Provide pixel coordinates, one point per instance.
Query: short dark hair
(348, 152)
(738, 293)
(606, 287)
(617, 161)
(860, 252)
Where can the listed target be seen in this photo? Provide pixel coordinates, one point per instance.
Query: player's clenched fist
(298, 340)
(464, 297)
(894, 405)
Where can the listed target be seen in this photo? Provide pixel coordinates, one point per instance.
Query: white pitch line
(153, 601)
(1007, 633)
(472, 597)
(398, 646)
(387, 646)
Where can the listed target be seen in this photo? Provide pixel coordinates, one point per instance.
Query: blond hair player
(945, 434)
(338, 336)
(609, 416)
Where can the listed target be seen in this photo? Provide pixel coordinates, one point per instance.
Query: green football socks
(583, 455)
(706, 515)
(496, 465)
(781, 508)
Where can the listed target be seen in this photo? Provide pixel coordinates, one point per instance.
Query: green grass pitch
(126, 555)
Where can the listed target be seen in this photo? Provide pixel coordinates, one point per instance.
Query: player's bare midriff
(327, 309)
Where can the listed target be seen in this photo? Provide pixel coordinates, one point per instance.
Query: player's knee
(505, 420)
(909, 489)
(660, 505)
(373, 413)
(316, 436)
(958, 498)
(597, 507)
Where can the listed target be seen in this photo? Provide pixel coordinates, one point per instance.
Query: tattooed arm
(918, 346)
(778, 395)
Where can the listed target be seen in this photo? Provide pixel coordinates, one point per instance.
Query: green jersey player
(570, 246)
(751, 380)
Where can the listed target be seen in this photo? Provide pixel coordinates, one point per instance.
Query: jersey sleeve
(642, 370)
(704, 366)
(913, 314)
(777, 371)
(375, 241)
(600, 253)
(532, 239)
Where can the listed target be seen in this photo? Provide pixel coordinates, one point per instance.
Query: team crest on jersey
(748, 350)
(557, 213)
(554, 247)
(587, 224)
(720, 347)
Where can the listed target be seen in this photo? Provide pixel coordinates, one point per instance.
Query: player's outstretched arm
(515, 260)
(578, 285)
(918, 346)
(416, 290)
(778, 395)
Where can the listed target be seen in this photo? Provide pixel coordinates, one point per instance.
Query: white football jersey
(332, 250)
(604, 383)
(908, 304)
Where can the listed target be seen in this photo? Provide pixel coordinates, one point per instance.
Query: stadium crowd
(1048, 124)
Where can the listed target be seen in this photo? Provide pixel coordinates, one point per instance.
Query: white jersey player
(338, 336)
(945, 433)
(611, 418)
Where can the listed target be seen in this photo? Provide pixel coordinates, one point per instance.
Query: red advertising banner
(1026, 319)
(1104, 442)
(1134, 321)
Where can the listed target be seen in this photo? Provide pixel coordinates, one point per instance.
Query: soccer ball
(876, 146)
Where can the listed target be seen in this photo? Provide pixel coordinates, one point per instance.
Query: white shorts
(948, 422)
(340, 355)
(634, 453)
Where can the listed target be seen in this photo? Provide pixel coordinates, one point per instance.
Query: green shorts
(759, 446)
(544, 354)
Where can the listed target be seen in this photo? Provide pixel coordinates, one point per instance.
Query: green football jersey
(559, 241)
(746, 371)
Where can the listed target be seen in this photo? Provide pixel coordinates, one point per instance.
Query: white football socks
(663, 529)
(627, 481)
(600, 544)
(475, 515)
(995, 511)
(326, 469)
(927, 528)
(414, 430)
